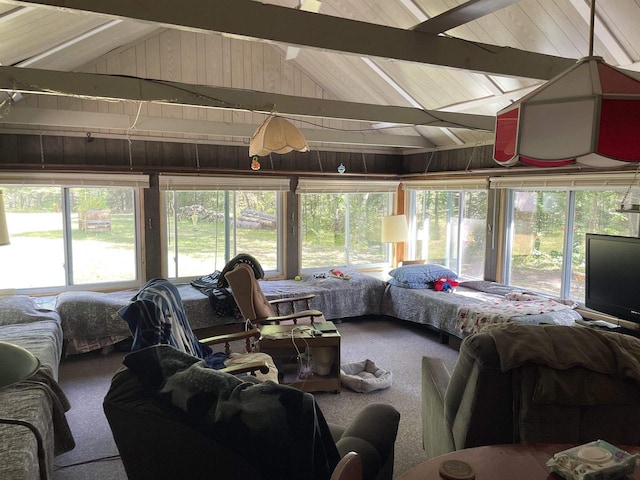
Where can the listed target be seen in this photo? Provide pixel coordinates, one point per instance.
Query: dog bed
(364, 376)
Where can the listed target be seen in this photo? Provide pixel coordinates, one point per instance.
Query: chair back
(249, 297)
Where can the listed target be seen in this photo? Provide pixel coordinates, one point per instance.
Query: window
(210, 220)
(341, 222)
(448, 224)
(548, 221)
(69, 230)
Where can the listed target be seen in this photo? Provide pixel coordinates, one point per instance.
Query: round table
(502, 462)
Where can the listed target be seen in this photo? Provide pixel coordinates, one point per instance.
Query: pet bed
(364, 376)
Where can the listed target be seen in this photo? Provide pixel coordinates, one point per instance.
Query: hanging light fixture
(276, 135)
(589, 114)
(4, 231)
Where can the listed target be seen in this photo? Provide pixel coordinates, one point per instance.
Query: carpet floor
(393, 345)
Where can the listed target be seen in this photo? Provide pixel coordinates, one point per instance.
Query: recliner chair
(158, 441)
(516, 383)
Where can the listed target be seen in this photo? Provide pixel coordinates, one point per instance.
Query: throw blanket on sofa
(571, 384)
(278, 428)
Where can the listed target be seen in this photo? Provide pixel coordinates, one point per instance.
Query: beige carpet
(391, 344)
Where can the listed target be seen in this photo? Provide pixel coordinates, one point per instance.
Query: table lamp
(394, 230)
(16, 365)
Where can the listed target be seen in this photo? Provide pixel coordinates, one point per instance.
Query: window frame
(346, 187)
(571, 184)
(232, 184)
(66, 181)
(457, 185)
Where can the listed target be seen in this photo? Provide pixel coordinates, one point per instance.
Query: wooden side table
(285, 342)
(502, 462)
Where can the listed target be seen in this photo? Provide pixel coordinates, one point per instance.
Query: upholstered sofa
(516, 383)
(38, 401)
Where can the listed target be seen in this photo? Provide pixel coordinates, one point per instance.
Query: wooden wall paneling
(116, 153)
(152, 68)
(53, 150)
(226, 74)
(214, 70)
(152, 236)
(171, 66)
(96, 151)
(8, 149)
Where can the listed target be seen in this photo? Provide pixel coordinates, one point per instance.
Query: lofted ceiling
(399, 76)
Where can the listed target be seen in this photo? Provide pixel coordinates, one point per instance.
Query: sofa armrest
(436, 434)
(372, 434)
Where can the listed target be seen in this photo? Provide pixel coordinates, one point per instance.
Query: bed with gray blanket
(442, 310)
(90, 320)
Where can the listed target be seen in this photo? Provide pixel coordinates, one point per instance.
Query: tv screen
(612, 280)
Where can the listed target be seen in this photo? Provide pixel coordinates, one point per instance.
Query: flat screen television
(612, 275)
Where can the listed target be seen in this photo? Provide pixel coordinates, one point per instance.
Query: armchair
(173, 418)
(516, 383)
(255, 307)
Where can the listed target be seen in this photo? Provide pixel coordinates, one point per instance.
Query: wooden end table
(503, 462)
(283, 342)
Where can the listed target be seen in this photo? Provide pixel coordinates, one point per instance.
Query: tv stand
(600, 320)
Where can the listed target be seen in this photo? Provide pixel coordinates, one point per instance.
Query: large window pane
(206, 228)
(68, 236)
(343, 229)
(537, 240)
(596, 212)
(103, 235)
(35, 257)
(450, 229)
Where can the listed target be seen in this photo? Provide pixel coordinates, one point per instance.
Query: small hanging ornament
(255, 164)
(341, 168)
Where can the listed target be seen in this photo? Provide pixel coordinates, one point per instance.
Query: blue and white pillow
(419, 276)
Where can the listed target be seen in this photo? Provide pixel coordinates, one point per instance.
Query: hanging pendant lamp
(276, 135)
(589, 114)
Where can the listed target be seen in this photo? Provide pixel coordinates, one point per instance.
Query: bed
(472, 305)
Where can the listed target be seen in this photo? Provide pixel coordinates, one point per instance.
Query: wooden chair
(349, 468)
(255, 307)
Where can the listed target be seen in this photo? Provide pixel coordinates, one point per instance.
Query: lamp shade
(394, 229)
(589, 114)
(16, 364)
(276, 135)
(4, 232)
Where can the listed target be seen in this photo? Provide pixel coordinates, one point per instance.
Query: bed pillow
(417, 274)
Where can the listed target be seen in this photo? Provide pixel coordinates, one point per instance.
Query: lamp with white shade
(276, 135)
(394, 230)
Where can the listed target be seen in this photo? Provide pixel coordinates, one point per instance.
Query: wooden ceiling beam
(118, 87)
(255, 20)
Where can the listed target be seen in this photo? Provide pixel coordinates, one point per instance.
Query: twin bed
(473, 305)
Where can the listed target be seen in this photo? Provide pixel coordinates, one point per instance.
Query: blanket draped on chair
(156, 316)
(278, 428)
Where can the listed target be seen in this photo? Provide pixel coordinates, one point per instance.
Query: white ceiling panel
(353, 59)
